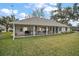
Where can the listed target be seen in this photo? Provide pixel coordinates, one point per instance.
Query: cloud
(49, 9)
(8, 11)
(23, 16)
(47, 6)
(40, 5)
(54, 4)
(28, 6)
(35, 5)
(74, 23)
(15, 11)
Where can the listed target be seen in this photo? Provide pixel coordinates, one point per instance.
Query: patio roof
(39, 21)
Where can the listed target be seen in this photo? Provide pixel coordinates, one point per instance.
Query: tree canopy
(66, 14)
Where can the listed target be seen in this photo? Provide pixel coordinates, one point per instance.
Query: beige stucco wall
(59, 31)
(39, 28)
(68, 29)
(24, 28)
(18, 32)
(63, 29)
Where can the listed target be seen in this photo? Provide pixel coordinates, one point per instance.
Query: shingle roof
(39, 21)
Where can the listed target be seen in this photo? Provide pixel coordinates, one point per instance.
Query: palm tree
(38, 12)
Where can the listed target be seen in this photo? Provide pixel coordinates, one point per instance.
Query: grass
(58, 45)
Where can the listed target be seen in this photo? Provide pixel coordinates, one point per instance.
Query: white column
(51, 30)
(46, 30)
(63, 29)
(33, 30)
(13, 31)
(54, 30)
(58, 30)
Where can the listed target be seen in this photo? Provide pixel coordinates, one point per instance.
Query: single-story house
(38, 26)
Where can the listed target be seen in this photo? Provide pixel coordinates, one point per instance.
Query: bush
(67, 32)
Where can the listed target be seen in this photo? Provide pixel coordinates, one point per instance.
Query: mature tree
(75, 7)
(0, 20)
(66, 14)
(58, 15)
(76, 11)
(4, 20)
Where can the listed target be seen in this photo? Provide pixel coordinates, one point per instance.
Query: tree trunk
(6, 27)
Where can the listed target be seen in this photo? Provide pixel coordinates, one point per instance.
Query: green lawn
(64, 44)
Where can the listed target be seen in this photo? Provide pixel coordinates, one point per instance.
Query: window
(21, 29)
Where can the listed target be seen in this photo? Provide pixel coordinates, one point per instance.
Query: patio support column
(46, 30)
(58, 29)
(51, 30)
(62, 29)
(54, 30)
(33, 30)
(13, 31)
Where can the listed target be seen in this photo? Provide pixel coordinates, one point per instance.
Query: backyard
(54, 45)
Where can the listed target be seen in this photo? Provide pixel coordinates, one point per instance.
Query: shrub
(67, 32)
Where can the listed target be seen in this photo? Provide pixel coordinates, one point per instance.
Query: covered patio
(38, 26)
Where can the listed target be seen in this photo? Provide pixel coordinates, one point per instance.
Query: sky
(21, 10)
